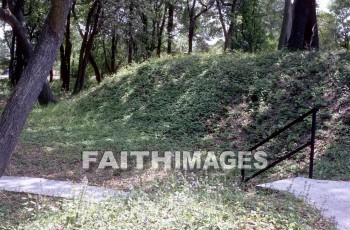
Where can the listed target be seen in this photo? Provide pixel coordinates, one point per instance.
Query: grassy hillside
(209, 102)
(216, 102)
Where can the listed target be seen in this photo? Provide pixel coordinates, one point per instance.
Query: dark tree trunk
(287, 23)
(96, 69)
(34, 76)
(160, 33)
(146, 39)
(130, 48)
(130, 38)
(20, 64)
(228, 41)
(135, 49)
(223, 25)
(66, 53)
(170, 28)
(51, 75)
(304, 34)
(83, 61)
(63, 66)
(191, 29)
(64, 72)
(153, 37)
(12, 58)
(113, 53)
(227, 32)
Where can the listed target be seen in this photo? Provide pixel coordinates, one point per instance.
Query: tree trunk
(51, 75)
(64, 72)
(96, 69)
(190, 36)
(223, 25)
(193, 17)
(87, 53)
(304, 34)
(170, 27)
(232, 25)
(12, 58)
(227, 32)
(145, 36)
(79, 83)
(91, 30)
(19, 66)
(160, 32)
(287, 23)
(66, 53)
(34, 76)
(105, 56)
(152, 46)
(130, 49)
(130, 39)
(113, 53)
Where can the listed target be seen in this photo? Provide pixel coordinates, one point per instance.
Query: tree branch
(204, 10)
(20, 32)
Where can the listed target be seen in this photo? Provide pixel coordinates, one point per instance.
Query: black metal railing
(311, 143)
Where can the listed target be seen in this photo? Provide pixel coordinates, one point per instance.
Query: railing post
(242, 174)
(313, 138)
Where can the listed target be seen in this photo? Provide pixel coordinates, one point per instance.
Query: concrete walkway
(55, 188)
(331, 197)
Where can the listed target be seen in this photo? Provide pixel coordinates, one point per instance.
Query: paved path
(55, 77)
(331, 197)
(55, 188)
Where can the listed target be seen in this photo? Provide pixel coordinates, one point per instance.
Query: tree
(11, 13)
(194, 12)
(65, 56)
(304, 35)
(92, 35)
(170, 26)
(253, 33)
(227, 27)
(327, 26)
(161, 17)
(341, 10)
(91, 30)
(28, 88)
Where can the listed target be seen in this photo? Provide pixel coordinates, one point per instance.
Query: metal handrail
(311, 143)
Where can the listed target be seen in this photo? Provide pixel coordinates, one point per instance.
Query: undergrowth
(184, 201)
(215, 102)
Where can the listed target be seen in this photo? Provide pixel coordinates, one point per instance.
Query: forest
(102, 78)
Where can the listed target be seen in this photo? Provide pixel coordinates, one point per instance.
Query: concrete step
(330, 197)
(54, 188)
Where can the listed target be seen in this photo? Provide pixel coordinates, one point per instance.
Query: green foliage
(5, 88)
(341, 10)
(250, 34)
(184, 202)
(327, 30)
(35, 14)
